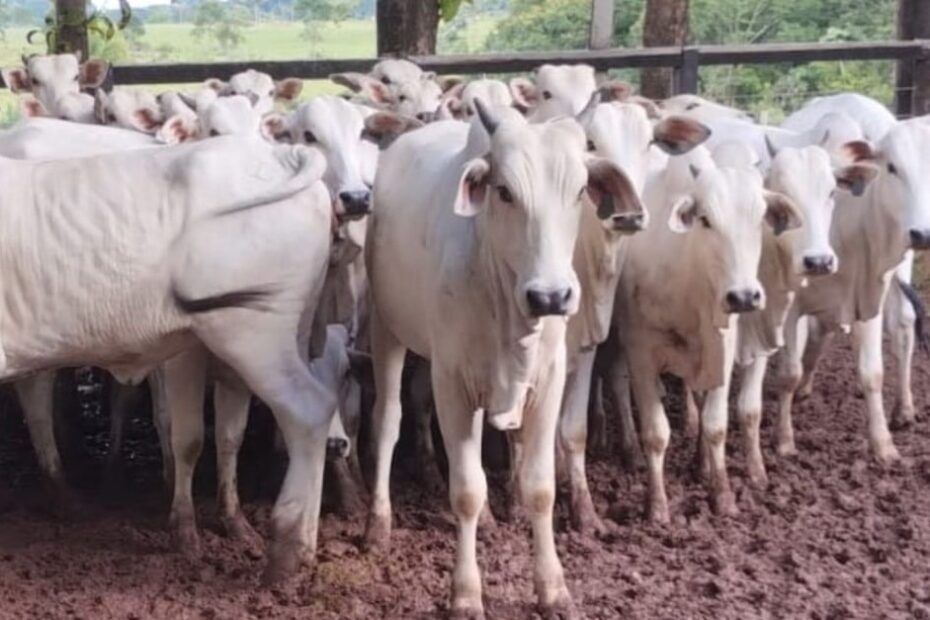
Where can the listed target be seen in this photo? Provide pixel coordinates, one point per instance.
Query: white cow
(400, 86)
(871, 239)
(218, 116)
(622, 134)
(486, 307)
(459, 101)
(123, 260)
(555, 90)
(54, 84)
(130, 109)
(874, 118)
(701, 109)
(684, 282)
(261, 87)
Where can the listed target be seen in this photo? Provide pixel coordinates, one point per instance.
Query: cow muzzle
(336, 448)
(819, 265)
(355, 204)
(738, 301)
(549, 302)
(628, 223)
(920, 238)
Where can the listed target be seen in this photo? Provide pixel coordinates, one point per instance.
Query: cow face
(723, 213)
(337, 129)
(459, 101)
(557, 90)
(701, 109)
(807, 176)
(260, 87)
(52, 79)
(129, 109)
(341, 369)
(903, 185)
(209, 115)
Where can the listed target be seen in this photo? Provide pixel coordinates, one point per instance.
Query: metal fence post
(685, 77)
(602, 24)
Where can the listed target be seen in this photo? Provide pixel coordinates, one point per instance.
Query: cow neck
(517, 337)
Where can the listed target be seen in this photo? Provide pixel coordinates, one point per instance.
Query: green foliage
(313, 13)
(220, 22)
(448, 9)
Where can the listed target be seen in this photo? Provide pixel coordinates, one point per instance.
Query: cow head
(722, 214)
(459, 101)
(702, 109)
(903, 186)
(342, 370)
(809, 178)
(52, 78)
(528, 191)
(337, 128)
(129, 109)
(208, 115)
(556, 90)
(418, 98)
(261, 87)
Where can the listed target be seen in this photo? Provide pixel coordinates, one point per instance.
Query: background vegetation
(208, 30)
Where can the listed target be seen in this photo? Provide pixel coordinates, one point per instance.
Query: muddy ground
(833, 537)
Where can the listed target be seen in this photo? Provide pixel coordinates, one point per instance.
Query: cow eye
(402, 98)
(504, 194)
(386, 80)
(892, 169)
(77, 77)
(111, 117)
(309, 138)
(214, 133)
(591, 145)
(691, 106)
(705, 222)
(35, 82)
(546, 94)
(271, 93)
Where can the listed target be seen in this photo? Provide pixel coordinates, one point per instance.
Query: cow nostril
(819, 264)
(356, 202)
(757, 297)
(548, 303)
(337, 447)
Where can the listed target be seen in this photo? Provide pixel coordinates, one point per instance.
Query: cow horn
(488, 119)
(825, 138)
(770, 147)
(695, 171)
(585, 117)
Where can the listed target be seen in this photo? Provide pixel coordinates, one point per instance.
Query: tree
(665, 23)
(221, 22)
(407, 27)
(314, 12)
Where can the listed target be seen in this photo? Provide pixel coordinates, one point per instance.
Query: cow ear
(377, 92)
(30, 107)
(780, 212)
(352, 81)
(653, 111)
(17, 80)
(615, 90)
(146, 120)
(676, 135)
(178, 129)
(449, 82)
(473, 188)
(684, 214)
(94, 72)
(275, 128)
(855, 178)
(525, 93)
(288, 89)
(218, 86)
(100, 106)
(384, 127)
(857, 151)
(612, 192)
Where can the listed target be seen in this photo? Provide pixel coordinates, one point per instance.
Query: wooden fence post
(920, 95)
(602, 24)
(71, 17)
(913, 23)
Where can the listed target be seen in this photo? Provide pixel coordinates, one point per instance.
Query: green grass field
(167, 43)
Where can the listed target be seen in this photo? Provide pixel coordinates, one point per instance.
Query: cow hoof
(658, 513)
(887, 454)
(238, 528)
(725, 504)
(902, 417)
(466, 614)
(377, 533)
(284, 560)
(585, 520)
(486, 520)
(758, 478)
(786, 449)
(186, 540)
(467, 607)
(560, 611)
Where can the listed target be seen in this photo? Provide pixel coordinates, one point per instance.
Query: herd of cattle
(537, 241)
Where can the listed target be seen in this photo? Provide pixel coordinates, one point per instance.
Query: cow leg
(790, 369)
(421, 400)
(123, 399)
(692, 412)
(388, 362)
(749, 410)
(348, 495)
(597, 437)
(868, 339)
(537, 483)
(184, 381)
(817, 342)
(514, 495)
(714, 421)
(631, 451)
(36, 395)
(574, 435)
(161, 418)
(656, 434)
(231, 404)
(899, 320)
(461, 432)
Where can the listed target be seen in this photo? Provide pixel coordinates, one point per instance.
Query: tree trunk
(71, 17)
(913, 78)
(666, 23)
(407, 27)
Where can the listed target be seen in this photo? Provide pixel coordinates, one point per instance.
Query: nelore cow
(54, 85)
